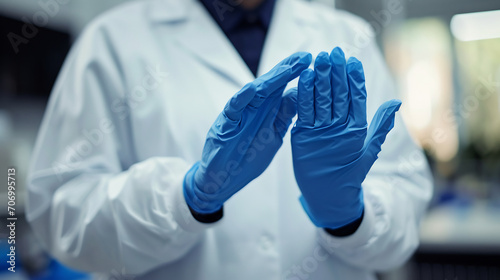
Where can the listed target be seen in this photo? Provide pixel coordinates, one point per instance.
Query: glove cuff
(196, 203)
(333, 218)
(348, 229)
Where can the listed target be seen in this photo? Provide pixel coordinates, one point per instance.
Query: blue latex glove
(332, 148)
(245, 137)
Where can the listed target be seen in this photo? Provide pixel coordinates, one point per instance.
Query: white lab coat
(128, 117)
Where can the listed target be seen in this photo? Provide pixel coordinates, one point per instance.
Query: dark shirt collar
(229, 16)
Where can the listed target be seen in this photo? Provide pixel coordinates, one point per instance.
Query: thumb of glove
(287, 111)
(381, 124)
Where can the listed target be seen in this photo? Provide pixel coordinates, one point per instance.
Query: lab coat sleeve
(90, 206)
(396, 190)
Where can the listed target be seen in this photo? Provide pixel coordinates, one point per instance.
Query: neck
(250, 4)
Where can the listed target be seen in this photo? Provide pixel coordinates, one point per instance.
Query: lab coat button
(266, 242)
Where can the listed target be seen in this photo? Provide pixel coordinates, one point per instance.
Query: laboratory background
(444, 56)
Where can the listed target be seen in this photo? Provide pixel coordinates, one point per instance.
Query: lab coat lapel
(288, 33)
(198, 33)
(201, 35)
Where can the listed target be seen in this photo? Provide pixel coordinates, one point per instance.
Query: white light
(423, 90)
(476, 26)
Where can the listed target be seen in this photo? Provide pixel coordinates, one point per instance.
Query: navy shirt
(245, 29)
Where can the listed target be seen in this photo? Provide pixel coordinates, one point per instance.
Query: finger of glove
(322, 90)
(340, 86)
(288, 110)
(305, 99)
(284, 72)
(381, 124)
(235, 106)
(357, 89)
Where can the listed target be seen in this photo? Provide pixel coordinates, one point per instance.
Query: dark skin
(250, 4)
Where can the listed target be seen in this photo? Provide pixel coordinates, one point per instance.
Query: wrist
(195, 199)
(347, 229)
(332, 216)
(207, 218)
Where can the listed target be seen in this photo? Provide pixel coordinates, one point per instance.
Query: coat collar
(174, 10)
(168, 11)
(199, 33)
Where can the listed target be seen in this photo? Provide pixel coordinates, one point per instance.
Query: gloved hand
(245, 137)
(332, 148)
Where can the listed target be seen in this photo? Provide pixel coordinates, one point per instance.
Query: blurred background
(445, 58)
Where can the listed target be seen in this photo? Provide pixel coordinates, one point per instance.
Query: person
(125, 179)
